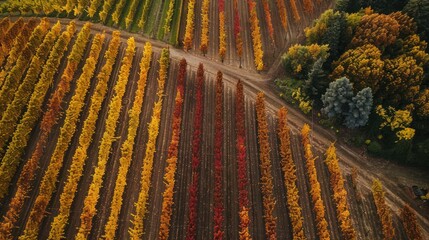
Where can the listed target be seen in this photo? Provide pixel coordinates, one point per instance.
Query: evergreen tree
(419, 10)
(317, 80)
(359, 109)
(337, 97)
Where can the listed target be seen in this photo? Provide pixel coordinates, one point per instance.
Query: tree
(422, 103)
(359, 109)
(403, 77)
(414, 47)
(329, 29)
(398, 121)
(407, 26)
(337, 97)
(383, 6)
(362, 65)
(299, 59)
(317, 80)
(419, 11)
(378, 29)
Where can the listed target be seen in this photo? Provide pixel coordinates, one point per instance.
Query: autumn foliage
(189, 30)
(136, 231)
(49, 119)
(196, 155)
(237, 29)
(12, 113)
(80, 156)
(269, 201)
(378, 29)
(204, 26)
(409, 220)
(8, 38)
(218, 142)
(243, 179)
(18, 45)
(50, 177)
(256, 36)
(91, 199)
(268, 21)
(290, 178)
(340, 194)
(127, 147)
(295, 12)
(316, 193)
(11, 82)
(283, 12)
(172, 157)
(308, 6)
(222, 30)
(12, 157)
(383, 210)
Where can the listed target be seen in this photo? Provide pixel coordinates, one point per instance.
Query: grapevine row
(222, 30)
(196, 155)
(136, 231)
(14, 110)
(9, 37)
(13, 79)
(295, 12)
(91, 199)
(283, 12)
(78, 161)
(340, 194)
(118, 9)
(18, 45)
(243, 180)
(316, 194)
(12, 113)
(12, 157)
(237, 29)
(256, 36)
(268, 21)
(169, 16)
(409, 220)
(204, 26)
(308, 6)
(383, 210)
(290, 178)
(128, 146)
(269, 201)
(218, 167)
(189, 30)
(143, 17)
(50, 177)
(172, 157)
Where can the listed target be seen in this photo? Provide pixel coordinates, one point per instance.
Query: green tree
(317, 80)
(419, 10)
(299, 59)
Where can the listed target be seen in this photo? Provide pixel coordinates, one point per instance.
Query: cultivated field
(207, 156)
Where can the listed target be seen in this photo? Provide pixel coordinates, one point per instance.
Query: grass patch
(152, 17)
(161, 30)
(175, 23)
(134, 25)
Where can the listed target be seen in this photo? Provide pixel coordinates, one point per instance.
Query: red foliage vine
(196, 155)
